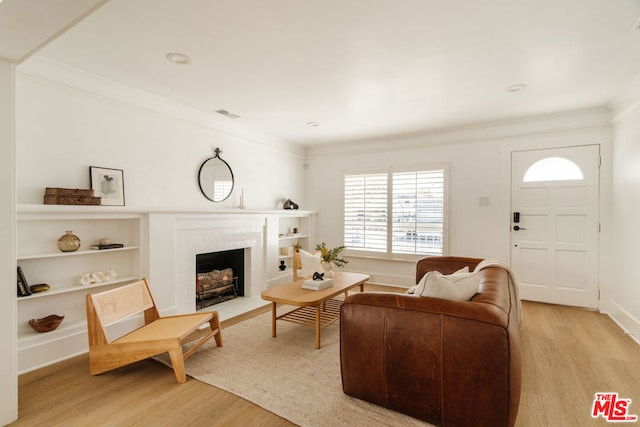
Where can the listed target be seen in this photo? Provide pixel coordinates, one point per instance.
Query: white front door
(555, 224)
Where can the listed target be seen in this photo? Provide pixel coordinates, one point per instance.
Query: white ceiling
(26, 26)
(362, 68)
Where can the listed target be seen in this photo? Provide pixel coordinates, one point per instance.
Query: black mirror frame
(233, 183)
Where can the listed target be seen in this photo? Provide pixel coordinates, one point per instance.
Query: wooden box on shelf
(70, 196)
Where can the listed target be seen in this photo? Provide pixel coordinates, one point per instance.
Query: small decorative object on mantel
(69, 242)
(46, 324)
(242, 205)
(289, 205)
(282, 266)
(109, 184)
(70, 196)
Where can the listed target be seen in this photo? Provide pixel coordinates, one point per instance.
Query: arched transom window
(553, 169)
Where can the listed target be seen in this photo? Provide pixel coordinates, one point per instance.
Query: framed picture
(108, 184)
(23, 286)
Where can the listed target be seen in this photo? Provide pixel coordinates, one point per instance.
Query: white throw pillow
(310, 263)
(459, 287)
(419, 288)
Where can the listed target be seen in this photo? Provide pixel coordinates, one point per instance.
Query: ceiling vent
(228, 114)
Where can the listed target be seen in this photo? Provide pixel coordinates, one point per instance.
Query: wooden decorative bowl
(46, 324)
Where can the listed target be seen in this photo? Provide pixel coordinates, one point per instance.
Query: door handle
(517, 227)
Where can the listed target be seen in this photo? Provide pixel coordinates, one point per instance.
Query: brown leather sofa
(450, 363)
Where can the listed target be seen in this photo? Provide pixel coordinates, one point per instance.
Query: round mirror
(215, 178)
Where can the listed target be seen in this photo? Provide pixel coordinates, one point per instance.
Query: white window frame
(389, 255)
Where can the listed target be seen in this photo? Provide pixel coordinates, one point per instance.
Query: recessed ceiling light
(313, 124)
(516, 88)
(178, 58)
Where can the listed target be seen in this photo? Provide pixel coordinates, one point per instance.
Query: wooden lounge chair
(156, 336)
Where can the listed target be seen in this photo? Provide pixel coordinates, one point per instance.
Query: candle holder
(241, 205)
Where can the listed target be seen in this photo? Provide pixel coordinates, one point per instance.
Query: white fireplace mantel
(175, 238)
(203, 235)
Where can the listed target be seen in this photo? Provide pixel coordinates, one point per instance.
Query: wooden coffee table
(315, 308)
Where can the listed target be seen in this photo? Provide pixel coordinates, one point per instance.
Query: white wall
(62, 129)
(8, 303)
(479, 166)
(473, 170)
(66, 121)
(623, 299)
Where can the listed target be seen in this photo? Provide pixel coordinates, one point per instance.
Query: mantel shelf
(26, 210)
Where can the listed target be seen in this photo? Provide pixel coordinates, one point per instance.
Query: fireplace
(219, 277)
(197, 234)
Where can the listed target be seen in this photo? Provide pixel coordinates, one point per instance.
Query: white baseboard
(629, 324)
(388, 280)
(48, 353)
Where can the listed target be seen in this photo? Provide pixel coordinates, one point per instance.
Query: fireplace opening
(219, 277)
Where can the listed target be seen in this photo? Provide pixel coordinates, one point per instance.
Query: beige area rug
(287, 375)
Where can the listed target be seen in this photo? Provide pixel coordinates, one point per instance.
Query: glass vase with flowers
(330, 257)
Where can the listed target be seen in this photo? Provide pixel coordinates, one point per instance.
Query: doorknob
(517, 227)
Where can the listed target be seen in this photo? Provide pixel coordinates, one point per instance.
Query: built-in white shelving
(39, 228)
(294, 228)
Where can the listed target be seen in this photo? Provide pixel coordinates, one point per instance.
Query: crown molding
(470, 133)
(76, 79)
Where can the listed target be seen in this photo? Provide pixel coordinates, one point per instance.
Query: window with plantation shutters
(418, 212)
(365, 211)
(396, 212)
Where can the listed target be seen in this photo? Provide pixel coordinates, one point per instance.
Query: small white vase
(328, 269)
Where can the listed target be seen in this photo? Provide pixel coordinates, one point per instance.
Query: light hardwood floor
(568, 355)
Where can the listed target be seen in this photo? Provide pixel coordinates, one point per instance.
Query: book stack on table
(317, 285)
